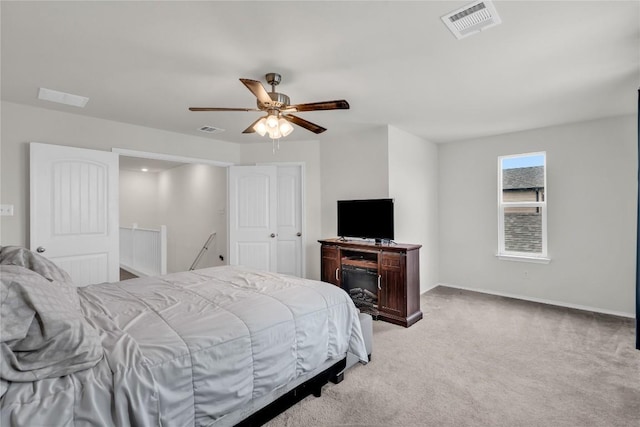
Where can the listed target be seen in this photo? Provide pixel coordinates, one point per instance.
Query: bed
(208, 347)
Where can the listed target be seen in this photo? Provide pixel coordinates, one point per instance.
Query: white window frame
(503, 254)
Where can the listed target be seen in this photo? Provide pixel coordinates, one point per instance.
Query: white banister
(143, 251)
(163, 249)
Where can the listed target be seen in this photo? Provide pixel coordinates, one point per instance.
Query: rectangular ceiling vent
(62, 97)
(472, 19)
(210, 129)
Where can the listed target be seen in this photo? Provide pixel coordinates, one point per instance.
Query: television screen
(368, 219)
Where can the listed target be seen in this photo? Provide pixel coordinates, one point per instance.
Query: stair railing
(202, 251)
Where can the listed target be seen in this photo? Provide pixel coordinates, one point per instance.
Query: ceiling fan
(278, 108)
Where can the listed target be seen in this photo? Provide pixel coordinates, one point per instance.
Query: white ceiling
(145, 63)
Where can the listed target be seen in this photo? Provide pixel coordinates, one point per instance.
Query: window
(522, 207)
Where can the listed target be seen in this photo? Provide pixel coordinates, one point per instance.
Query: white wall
(139, 199)
(192, 202)
(413, 184)
(352, 166)
(23, 124)
(591, 194)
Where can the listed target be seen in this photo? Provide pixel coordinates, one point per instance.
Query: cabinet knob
(298, 234)
(40, 249)
(272, 235)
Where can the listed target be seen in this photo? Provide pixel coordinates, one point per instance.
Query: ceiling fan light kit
(277, 122)
(261, 126)
(285, 127)
(273, 124)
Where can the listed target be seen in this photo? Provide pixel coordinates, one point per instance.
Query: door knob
(273, 235)
(40, 249)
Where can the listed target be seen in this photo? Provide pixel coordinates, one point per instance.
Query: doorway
(187, 198)
(193, 201)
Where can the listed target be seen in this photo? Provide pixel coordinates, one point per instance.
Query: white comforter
(188, 348)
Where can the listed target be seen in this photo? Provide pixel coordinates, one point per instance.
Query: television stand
(383, 279)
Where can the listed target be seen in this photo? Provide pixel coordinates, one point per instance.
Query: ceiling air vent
(62, 97)
(472, 19)
(210, 129)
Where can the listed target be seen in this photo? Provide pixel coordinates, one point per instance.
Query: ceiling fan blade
(250, 129)
(257, 89)
(304, 123)
(340, 104)
(221, 109)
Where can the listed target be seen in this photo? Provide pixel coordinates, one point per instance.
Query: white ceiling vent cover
(472, 19)
(62, 97)
(210, 129)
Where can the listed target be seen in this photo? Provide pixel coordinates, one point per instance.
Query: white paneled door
(74, 210)
(265, 218)
(289, 209)
(252, 217)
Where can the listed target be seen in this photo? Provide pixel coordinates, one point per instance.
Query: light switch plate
(6, 210)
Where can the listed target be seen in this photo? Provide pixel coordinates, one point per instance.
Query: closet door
(266, 217)
(252, 216)
(289, 207)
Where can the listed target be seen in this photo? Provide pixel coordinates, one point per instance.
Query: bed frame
(334, 373)
(313, 385)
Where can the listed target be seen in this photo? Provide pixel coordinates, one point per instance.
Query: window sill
(524, 258)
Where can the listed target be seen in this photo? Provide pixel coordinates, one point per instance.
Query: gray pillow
(17, 255)
(43, 333)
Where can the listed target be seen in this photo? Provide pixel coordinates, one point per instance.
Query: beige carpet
(481, 360)
(125, 275)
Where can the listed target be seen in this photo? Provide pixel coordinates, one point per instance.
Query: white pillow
(43, 333)
(17, 255)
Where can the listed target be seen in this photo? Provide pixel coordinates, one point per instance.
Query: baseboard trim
(428, 289)
(539, 300)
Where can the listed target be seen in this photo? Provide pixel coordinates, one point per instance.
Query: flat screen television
(367, 219)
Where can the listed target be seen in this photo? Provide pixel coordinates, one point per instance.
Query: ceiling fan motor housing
(278, 100)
